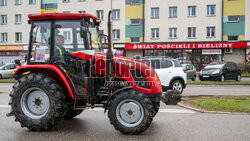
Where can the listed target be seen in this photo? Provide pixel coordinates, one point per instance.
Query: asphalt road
(171, 123)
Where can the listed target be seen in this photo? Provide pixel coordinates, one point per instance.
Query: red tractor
(67, 71)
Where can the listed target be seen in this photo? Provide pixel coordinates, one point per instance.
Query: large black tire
(52, 91)
(177, 85)
(128, 97)
(71, 113)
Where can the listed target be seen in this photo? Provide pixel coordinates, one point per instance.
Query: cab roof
(56, 16)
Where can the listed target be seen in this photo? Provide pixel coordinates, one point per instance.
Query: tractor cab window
(67, 37)
(40, 41)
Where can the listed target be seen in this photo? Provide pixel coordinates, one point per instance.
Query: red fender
(36, 68)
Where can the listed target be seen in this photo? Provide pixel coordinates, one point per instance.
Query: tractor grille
(139, 78)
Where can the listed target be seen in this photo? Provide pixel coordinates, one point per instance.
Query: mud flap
(171, 97)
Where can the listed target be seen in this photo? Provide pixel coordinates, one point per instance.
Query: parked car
(6, 71)
(220, 71)
(190, 70)
(170, 72)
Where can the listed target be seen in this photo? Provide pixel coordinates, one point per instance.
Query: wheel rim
(238, 77)
(129, 113)
(35, 103)
(177, 86)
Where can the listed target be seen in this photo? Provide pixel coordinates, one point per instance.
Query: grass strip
(245, 74)
(225, 104)
(219, 83)
(8, 80)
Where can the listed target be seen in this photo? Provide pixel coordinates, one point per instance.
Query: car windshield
(183, 65)
(214, 66)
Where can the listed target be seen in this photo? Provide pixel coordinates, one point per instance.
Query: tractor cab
(56, 35)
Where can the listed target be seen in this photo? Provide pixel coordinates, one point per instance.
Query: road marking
(182, 111)
(4, 106)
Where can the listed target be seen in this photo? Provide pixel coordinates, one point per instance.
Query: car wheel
(238, 77)
(177, 85)
(1, 77)
(194, 78)
(222, 78)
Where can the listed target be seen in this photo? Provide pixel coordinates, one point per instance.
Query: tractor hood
(132, 71)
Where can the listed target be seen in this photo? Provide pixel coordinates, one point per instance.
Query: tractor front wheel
(131, 112)
(38, 102)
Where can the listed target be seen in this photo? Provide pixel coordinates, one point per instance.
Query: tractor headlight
(216, 72)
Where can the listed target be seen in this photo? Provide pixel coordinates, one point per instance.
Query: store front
(9, 53)
(198, 54)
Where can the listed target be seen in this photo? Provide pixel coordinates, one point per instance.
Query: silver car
(6, 71)
(190, 70)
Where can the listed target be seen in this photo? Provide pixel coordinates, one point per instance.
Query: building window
(191, 32)
(65, 1)
(18, 19)
(116, 14)
(135, 21)
(132, 2)
(49, 6)
(3, 19)
(3, 2)
(116, 34)
(82, 12)
(233, 38)
(101, 32)
(135, 39)
(211, 10)
(233, 18)
(172, 12)
(18, 37)
(32, 1)
(18, 2)
(172, 32)
(155, 13)
(100, 14)
(191, 11)
(210, 31)
(4, 37)
(66, 11)
(66, 35)
(155, 33)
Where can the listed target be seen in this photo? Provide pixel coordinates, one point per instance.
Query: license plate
(206, 76)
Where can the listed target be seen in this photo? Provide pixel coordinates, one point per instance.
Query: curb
(216, 84)
(211, 112)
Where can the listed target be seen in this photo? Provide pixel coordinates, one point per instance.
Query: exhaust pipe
(110, 57)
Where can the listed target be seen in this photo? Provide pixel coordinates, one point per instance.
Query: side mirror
(17, 62)
(83, 32)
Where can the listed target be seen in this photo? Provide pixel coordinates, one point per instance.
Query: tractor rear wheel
(38, 102)
(130, 112)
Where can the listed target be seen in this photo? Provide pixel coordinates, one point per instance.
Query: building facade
(174, 23)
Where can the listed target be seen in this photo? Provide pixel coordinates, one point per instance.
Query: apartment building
(196, 32)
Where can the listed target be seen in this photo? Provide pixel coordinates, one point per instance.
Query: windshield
(215, 66)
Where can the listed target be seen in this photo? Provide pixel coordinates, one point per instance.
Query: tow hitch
(171, 97)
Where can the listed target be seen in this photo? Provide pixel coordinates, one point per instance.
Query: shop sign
(11, 48)
(211, 51)
(188, 45)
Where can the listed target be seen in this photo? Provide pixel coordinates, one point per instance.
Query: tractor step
(80, 102)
